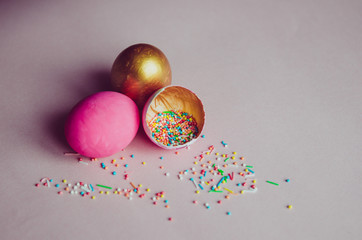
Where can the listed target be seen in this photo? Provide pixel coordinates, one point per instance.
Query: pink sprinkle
(37, 185)
(195, 202)
(60, 193)
(170, 219)
(219, 202)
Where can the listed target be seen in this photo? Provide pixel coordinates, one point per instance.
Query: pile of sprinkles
(173, 128)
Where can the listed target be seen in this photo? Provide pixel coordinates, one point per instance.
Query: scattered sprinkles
(215, 174)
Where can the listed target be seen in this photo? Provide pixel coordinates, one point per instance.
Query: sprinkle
(98, 185)
(228, 213)
(132, 156)
(287, 180)
(289, 206)
(203, 136)
(126, 165)
(193, 182)
(273, 183)
(228, 190)
(134, 187)
(60, 192)
(250, 170)
(91, 187)
(143, 163)
(114, 172)
(170, 219)
(64, 181)
(56, 185)
(226, 159)
(215, 191)
(93, 197)
(161, 158)
(202, 188)
(71, 154)
(249, 166)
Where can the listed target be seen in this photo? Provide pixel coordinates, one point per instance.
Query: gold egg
(139, 71)
(177, 99)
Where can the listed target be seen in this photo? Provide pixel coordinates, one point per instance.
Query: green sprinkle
(221, 171)
(213, 165)
(103, 186)
(249, 166)
(273, 183)
(214, 191)
(168, 112)
(226, 159)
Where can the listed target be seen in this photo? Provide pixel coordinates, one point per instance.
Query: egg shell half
(173, 98)
(102, 124)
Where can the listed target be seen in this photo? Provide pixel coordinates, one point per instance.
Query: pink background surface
(281, 84)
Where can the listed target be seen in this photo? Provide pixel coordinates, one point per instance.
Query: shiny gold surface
(139, 71)
(178, 99)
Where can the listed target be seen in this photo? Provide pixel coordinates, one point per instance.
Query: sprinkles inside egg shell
(173, 128)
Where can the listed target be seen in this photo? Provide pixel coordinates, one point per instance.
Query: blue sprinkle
(203, 136)
(228, 213)
(287, 180)
(56, 185)
(250, 170)
(114, 173)
(161, 158)
(50, 180)
(166, 201)
(132, 156)
(126, 165)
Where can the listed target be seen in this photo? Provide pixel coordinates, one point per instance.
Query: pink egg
(102, 124)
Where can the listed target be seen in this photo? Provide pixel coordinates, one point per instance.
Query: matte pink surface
(102, 124)
(281, 85)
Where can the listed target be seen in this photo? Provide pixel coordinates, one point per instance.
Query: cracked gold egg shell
(173, 99)
(139, 71)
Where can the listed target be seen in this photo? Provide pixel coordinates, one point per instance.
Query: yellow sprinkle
(162, 196)
(197, 191)
(107, 192)
(115, 192)
(113, 161)
(242, 191)
(143, 163)
(254, 181)
(139, 185)
(233, 157)
(228, 190)
(93, 197)
(246, 170)
(223, 155)
(196, 163)
(206, 183)
(217, 154)
(234, 153)
(147, 190)
(101, 192)
(290, 206)
(64, 181)
(207, 153)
